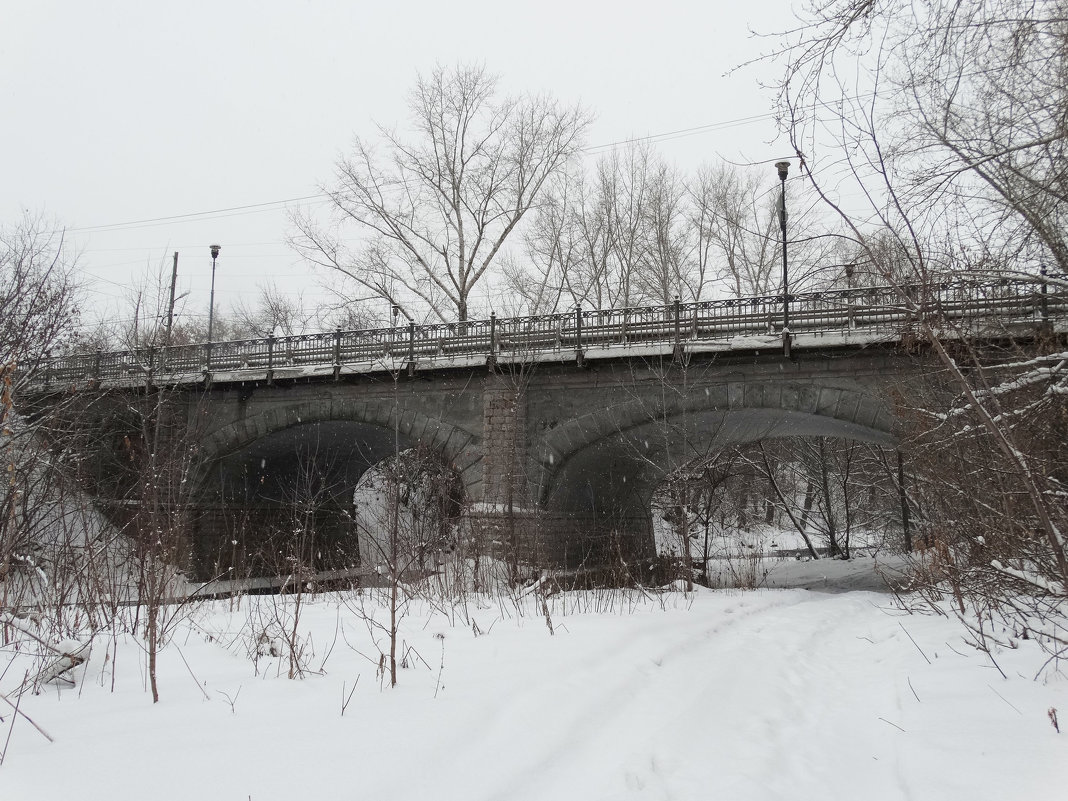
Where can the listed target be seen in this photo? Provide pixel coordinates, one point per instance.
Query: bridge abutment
(539, 540)
(512, 523)
(504, 444)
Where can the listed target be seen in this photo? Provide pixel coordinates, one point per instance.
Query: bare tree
(635, 230)
(158, 509)
(552, 274)
(38, 314)
(435, 209)
(623, 178)
(952, 135)
(38, 303)
(737, 220)
(619, 236)
(273, 312)
(593, 282)
(665, 273)
(143, 317)
(734, 214)
(993, 533)
(294, 545)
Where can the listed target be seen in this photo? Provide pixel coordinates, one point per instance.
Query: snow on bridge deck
(851, 318)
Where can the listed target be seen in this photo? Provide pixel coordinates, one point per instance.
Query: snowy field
(716, 694)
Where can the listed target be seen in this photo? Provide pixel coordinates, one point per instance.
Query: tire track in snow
(625, 715)
(735, 736)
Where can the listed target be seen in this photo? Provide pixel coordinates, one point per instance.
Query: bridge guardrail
(889, 311)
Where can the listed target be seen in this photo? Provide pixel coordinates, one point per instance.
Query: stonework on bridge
(558, 462)
(558, 451)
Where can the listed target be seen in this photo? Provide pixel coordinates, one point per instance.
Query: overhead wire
(195, 214)
(270, 205)
(322, 197)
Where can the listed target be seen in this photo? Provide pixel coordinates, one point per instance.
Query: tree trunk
(153, 649)
(806, 509)
(828, 510)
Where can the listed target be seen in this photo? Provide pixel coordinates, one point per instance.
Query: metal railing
(855, 316)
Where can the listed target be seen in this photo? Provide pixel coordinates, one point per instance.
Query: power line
(683, 132)
(229, 245)
(322, 196)
(175, 217)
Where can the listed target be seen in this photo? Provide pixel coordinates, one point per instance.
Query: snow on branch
(1032, 578)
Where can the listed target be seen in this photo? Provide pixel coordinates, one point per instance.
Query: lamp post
(211, 308)
(784, 168)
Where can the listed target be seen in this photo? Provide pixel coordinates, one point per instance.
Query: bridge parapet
(844, 317)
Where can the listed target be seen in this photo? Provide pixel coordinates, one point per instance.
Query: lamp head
(215, 251)
(784, 168)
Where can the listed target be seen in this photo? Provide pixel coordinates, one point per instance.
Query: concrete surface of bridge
(561, 460)
(559, 445)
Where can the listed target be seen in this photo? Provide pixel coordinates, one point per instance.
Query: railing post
(270, 358)
(579, 356)
(337, 353)
(207, 357)
(491, 361)
(411, 347)
(96, 363)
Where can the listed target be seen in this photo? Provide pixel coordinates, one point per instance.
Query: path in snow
(733, 695)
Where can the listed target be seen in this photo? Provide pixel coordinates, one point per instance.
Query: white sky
(127, 111)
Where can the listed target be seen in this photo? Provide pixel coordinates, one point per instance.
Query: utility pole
(170, 305)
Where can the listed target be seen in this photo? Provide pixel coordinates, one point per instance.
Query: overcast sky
(118, 112)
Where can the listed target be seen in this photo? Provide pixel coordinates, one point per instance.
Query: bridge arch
(300, 464)
(609, 462)
(377, 421)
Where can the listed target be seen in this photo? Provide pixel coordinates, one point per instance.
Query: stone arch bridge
(561, 427)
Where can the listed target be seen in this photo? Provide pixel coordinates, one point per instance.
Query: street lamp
(211, 308)
(784, 168)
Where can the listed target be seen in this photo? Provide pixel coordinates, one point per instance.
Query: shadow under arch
(603, 473)
(261, 472)
(619, 471)
(370, 426)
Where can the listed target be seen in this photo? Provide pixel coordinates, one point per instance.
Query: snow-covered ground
(765, 694)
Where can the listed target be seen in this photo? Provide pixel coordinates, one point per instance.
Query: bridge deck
(840, 318)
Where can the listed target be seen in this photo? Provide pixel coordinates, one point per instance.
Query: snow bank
(717, 694)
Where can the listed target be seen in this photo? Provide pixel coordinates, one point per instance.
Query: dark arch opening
(283, 503)
(608, 485)
(623, 467)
